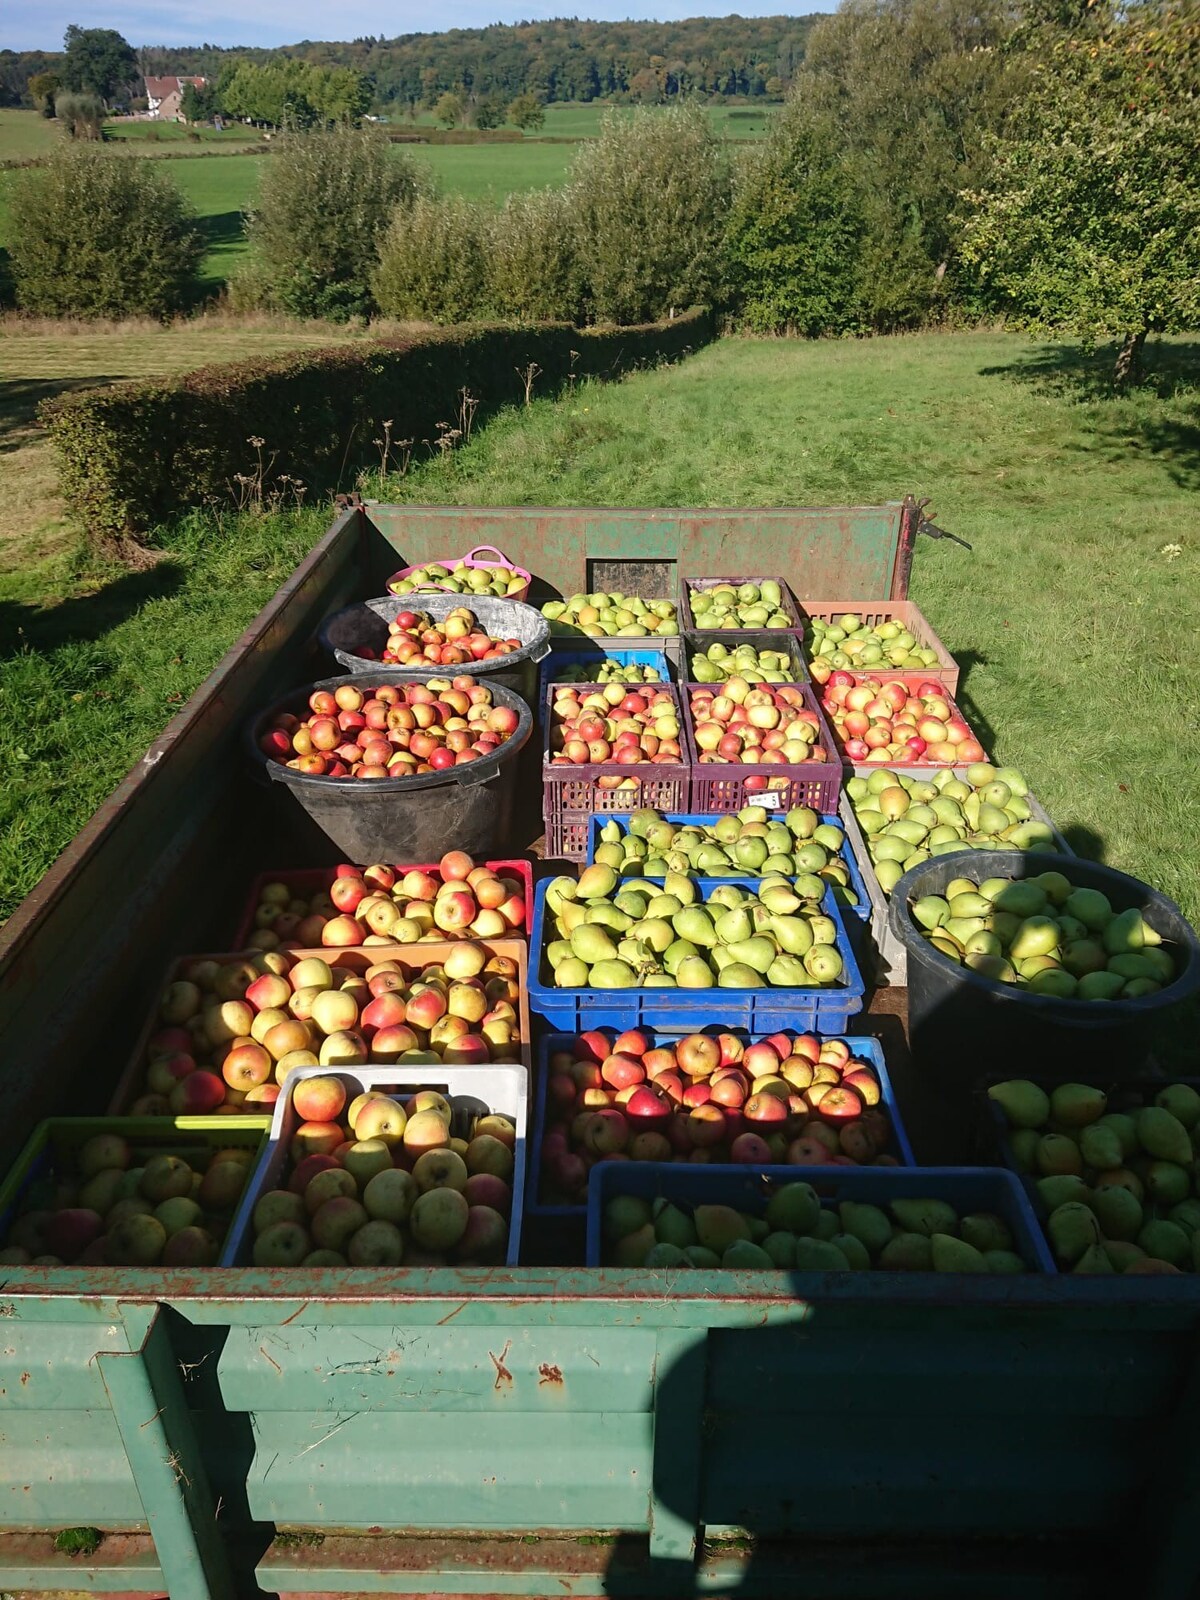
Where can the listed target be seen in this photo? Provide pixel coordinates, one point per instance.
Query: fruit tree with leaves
(1090, 222)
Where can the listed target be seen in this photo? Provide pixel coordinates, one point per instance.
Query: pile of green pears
(795, 1232)
(848, 642)
(487, 579)
(605, 933)
(717, 664)
(608, 672)
(1045, 935)
(1118, 1188)
(611, 616)
(738, 605)
(750, 843)
(907, 820)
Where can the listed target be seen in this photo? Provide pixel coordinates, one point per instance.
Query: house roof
(160, 88)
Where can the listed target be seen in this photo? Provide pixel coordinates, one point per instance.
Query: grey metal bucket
(365, 624)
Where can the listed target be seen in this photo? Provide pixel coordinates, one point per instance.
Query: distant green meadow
(222, 186)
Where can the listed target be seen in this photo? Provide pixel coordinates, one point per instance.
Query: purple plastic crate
(570, 793)
(724, 785)
(687, 617)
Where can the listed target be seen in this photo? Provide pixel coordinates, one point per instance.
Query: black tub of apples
(390, 768)
(1026, 964)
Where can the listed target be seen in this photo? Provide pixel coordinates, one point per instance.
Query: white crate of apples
(613, 722)
(897, 723)
(371, 1170)
(228, 1033)
(792, 1099)
(381, 904)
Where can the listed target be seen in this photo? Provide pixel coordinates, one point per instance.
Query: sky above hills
(40, 24)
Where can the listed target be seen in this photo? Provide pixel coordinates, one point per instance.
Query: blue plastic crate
(806, 1010)
(575, 655)
(864, 1046)
(861, 911)
(748, 1189)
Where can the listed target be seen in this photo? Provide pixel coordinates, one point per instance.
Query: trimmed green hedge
(134, 454)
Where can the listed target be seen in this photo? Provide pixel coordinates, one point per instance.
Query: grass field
(1075, 617)
(24, 134)
(221, 182)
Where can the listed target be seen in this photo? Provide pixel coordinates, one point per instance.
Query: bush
(649, 197)
(133, 454)
(325, 200)
(795, 232)
(533, 259)
(80, 116)
(432, 262)
(100, 235)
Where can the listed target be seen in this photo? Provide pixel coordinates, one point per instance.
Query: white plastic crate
(472, 1092)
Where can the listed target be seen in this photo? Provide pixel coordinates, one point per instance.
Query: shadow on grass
(1084, 841)
(223, 236)
(20, 398)
(1170, 372)
(87, 617)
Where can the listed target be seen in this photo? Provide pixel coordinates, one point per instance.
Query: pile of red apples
(739, 722)
(613, 722)
(890, 723)
(397, 730)
(380, 1181)
(384, 905)
(416, 640)
(229, 1033)
(790, 1099)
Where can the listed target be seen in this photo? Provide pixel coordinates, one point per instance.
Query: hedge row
(133, 454)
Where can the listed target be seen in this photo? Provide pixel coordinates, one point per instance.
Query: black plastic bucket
(365, 625)
(967, 1029)
(404, 819)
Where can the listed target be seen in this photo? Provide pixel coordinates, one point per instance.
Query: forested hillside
(557, 60)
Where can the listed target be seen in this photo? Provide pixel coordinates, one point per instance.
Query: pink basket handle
(490, 550)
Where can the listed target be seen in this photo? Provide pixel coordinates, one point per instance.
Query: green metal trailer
(543, 1429)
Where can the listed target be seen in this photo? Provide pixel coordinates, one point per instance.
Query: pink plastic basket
(471, 559)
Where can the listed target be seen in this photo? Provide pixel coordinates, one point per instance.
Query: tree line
(560, 60)
(937, 161)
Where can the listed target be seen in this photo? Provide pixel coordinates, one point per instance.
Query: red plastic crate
(911, 680)
(906, 612)
(571, 794)
(307, 880)
(687, 618)
(722, 785)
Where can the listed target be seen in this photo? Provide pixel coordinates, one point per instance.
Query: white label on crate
(772, 799)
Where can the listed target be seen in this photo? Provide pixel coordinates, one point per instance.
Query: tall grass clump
(97, 235)
(433, 261)
(325, 200)
(650, 198)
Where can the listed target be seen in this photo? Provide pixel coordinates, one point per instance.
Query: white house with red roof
(164, 96)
